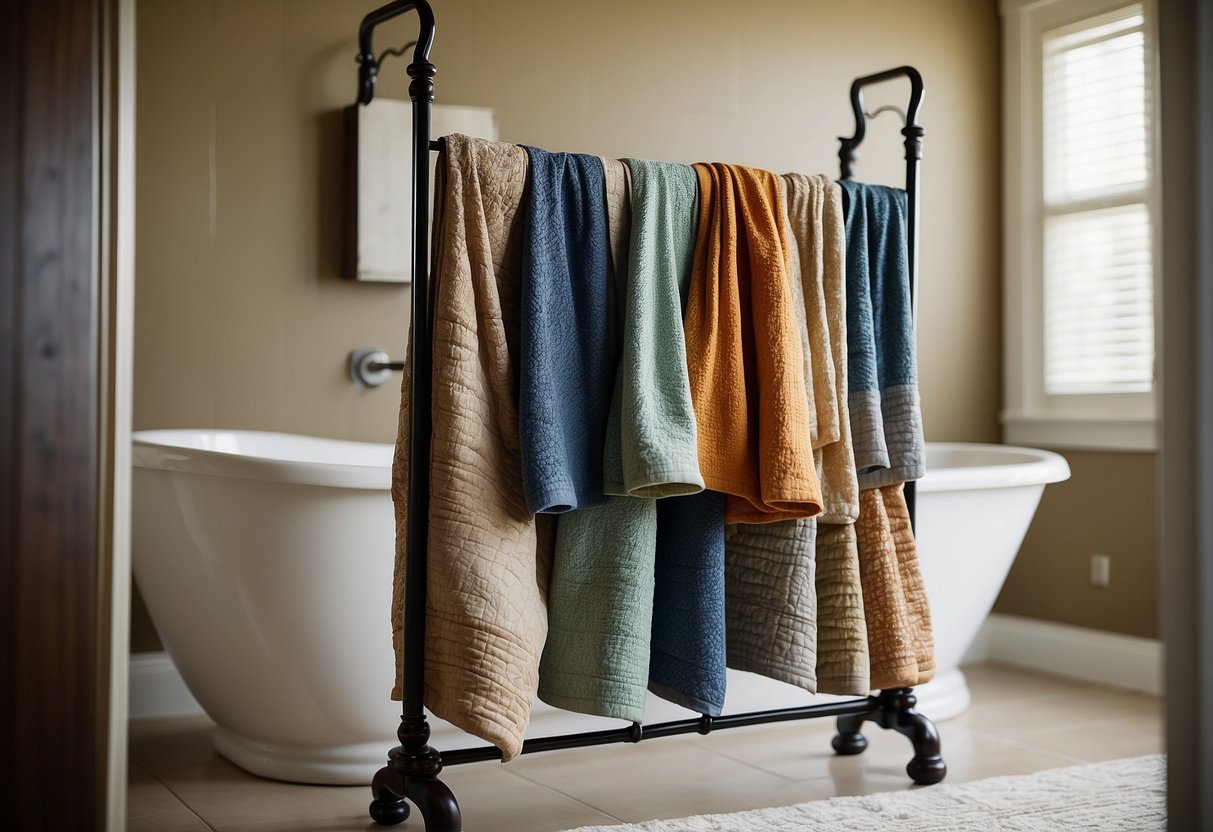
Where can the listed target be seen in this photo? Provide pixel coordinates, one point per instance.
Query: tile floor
(1019, 722)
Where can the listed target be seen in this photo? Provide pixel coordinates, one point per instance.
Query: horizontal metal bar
(637, 732)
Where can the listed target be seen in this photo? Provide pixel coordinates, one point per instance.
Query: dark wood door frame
(54, 626)
(1186, 473)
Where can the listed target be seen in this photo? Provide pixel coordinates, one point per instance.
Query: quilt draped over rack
(648, 350)
(486, 612)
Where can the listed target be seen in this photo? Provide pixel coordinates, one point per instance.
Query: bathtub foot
(894, 709)
(412, 772)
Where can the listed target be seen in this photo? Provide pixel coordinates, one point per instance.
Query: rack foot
(412, 773)
(895, 709)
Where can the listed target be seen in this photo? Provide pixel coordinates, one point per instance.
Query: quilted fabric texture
(900, 643)
(687, 665)
(886, 418)
(600, 603)
(486, 619)
(843, 663)
(748, 392)
(816, 231)
(772, 600)
(652, 441)
(567, 372)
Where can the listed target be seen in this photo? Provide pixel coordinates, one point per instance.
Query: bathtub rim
(166, 450)
(170, 450)
(1007, 466)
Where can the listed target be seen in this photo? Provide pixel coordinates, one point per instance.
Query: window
(1080, 224)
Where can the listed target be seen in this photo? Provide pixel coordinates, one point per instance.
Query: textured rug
(1128, 795)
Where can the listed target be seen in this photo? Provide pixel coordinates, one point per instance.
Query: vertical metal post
(421, 90)
(413, 767)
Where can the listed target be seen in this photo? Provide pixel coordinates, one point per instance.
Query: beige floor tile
(1099, 741)
(165, 747)
(146, 796)
(658, 779)
(183, 821)
(1020, 722)
(490, 800)
(1015, 718)
(992, 683)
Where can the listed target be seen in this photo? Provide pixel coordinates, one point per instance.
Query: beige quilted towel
(843, 664)
(485, 616)
(815, 225)
(900, 643)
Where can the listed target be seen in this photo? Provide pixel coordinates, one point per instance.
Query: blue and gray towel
(886, 416)
(568, 362)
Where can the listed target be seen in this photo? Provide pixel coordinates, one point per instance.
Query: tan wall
(243, 320)
(1107, 507)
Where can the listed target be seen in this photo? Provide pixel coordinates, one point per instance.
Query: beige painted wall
(242, 319)
(1107, 507)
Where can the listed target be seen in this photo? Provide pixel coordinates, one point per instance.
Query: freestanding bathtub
(266, 561)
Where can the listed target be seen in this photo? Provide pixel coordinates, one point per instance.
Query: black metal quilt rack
(414, 766)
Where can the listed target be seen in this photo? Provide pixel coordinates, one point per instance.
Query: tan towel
(900, 642)
(843, 664)
(744, 357)
(815, 225)
(485, 616)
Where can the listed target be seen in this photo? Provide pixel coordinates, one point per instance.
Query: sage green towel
(600, 610)
(652, 447)
(600, 598)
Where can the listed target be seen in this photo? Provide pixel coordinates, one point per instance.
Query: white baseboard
(1075, 652)
(157, 689)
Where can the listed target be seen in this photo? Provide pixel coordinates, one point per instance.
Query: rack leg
(895, 709)
(412, 772)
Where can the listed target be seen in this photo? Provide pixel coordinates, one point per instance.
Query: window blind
(1098, 275)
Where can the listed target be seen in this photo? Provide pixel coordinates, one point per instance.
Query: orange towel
(901, 646)
(744, 356)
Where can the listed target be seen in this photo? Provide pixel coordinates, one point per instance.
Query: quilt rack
(413, 768)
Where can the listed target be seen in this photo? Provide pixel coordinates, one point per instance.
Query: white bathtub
(266, 562)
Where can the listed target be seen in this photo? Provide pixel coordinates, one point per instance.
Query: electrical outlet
(1101, 570)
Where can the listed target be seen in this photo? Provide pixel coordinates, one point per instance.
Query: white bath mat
(1125, 795)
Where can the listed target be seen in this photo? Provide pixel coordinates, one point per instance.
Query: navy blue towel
(567, 372)
(687, 658)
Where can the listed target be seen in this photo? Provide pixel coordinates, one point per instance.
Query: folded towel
(486, 619)
(886, 418)
(748, 392)
(652, 444)
(900, 643)
(567, 371)
(815, 223)
(843, 663)
(596, 660)
(600, 603)
(687, 665)
(772, 600)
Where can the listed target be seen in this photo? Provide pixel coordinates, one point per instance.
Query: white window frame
(1120, 421)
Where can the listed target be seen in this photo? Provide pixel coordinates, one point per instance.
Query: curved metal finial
(912, 131)
(368, 64)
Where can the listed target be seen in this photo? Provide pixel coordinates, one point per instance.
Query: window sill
(1078, 433)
